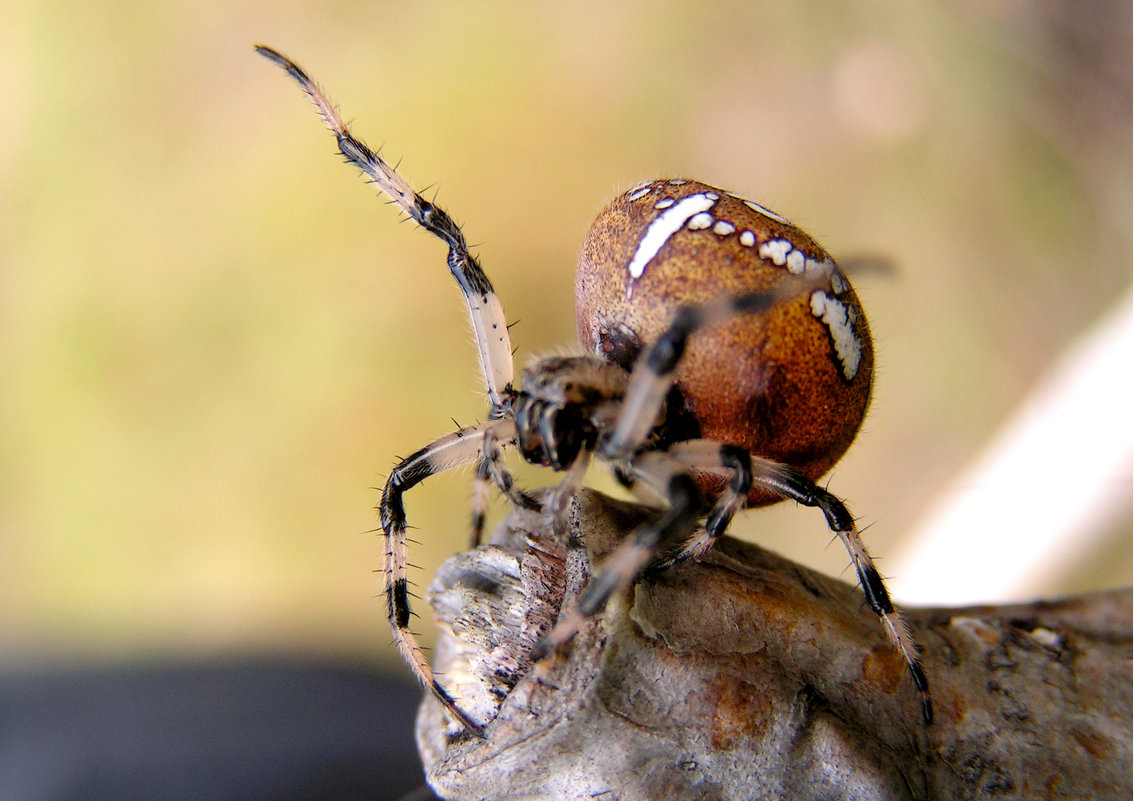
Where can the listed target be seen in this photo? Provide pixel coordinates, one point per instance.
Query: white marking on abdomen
(781, 252)
(665, 225)
(699, 222)
(756, 207)
(839, 320)
(640, 191)
(776, 251)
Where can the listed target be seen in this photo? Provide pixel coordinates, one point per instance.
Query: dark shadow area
(257, 729)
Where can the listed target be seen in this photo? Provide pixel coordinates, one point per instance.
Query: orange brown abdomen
(792, 384)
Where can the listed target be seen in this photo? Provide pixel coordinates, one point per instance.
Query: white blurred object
(1044, 492)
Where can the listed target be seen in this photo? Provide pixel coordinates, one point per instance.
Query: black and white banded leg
(626, 562)
(460, 447)
(494, 351)
(650, 381)
(492, 462)
(789, 484)
(709, 456)
(493, 344)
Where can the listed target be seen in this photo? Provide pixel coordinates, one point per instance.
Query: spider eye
(791, 384)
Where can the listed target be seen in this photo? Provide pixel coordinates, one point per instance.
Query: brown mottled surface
(744, 676)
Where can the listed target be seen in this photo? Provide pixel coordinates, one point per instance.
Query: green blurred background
(214, 339)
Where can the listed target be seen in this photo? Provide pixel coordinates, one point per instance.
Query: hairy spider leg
(559, 499)
(626, 562)
(711, 456)
(493, 343)
(451, 450)
(493, 461)
(787, 483)
(650, 381)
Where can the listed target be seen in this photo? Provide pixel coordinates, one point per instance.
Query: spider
(730, 365)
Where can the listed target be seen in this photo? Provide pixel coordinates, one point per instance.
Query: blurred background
(215, 339)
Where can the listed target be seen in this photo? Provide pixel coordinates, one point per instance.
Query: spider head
(562, 404)
(553, 434)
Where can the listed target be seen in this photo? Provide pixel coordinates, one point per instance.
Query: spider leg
(559, 499)
(492, 461)
(627, 561)
(746, 470)
(794, 486)
(490, 329)
(554, 505)
(712, 456)
(480, 498)
(449, 451)
(653, 372)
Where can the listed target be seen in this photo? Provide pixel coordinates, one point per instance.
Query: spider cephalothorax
(731, 365)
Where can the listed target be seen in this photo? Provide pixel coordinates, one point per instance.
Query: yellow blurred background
(214, 339)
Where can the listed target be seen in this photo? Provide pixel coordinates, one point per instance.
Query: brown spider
(748, 412)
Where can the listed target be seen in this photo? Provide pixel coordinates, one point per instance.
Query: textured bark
(745, 676)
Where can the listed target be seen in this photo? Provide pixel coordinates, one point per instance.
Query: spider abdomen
(791, 384)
